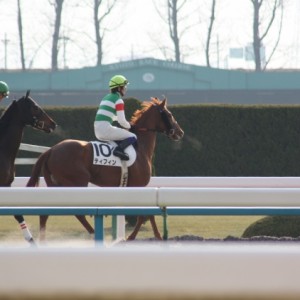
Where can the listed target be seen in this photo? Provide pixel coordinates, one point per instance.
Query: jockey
(111, 109)
(4, 90)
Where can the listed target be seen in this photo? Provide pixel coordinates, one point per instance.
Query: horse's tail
(37, 169)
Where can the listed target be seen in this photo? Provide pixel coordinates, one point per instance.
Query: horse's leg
(43, 221)
(27, 234)
(154, 228)
(85, 224)
(137, 227)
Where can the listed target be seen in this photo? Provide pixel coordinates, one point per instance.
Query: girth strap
(124, 174)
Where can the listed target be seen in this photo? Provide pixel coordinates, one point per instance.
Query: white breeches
(105, 131)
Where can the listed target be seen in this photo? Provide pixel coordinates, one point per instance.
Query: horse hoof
(32, 243)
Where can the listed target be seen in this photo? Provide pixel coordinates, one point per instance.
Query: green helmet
(4, 89)
(117, 80)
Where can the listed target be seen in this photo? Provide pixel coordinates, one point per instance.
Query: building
(180, 83)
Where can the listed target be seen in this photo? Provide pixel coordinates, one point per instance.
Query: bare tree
(210, 27)
(175, 18)
(173, 10)
(58, 5)
(20, 28)
(258, 37)
(98, 22)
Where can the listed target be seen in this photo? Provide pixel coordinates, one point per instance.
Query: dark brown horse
(70, 163)
(19, 114)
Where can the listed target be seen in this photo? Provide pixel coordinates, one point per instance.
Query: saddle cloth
(103, 154)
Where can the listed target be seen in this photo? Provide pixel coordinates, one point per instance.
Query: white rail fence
(206, 182)
(229, 196)
(211, 196)
(30, 148)
(149, 197)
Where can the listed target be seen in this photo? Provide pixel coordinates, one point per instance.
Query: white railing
(31, 148)
(229, 196)
(206, 182)
(149, 197)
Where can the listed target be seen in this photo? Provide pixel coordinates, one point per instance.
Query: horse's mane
(6, 117)
(145, 106)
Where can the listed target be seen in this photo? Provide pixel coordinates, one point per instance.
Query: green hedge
(233, 140)
(275, 226)
(220, 140)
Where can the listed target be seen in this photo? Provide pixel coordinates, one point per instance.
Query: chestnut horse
(70, 162)
(19, 114)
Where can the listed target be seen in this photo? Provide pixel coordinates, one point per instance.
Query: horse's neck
(11, 137)
(146, 142)
(145, 151)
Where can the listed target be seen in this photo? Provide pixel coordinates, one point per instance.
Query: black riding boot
(119, 150)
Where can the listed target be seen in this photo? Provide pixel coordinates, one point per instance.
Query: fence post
(165, 224)
(118, 227)
(99, 229)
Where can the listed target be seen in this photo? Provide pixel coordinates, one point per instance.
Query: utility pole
(5, 42)
(65, 40)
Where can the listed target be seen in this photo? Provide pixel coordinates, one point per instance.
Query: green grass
(64, 228)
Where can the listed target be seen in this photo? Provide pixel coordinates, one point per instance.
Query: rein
(37, 122)
(143, 129)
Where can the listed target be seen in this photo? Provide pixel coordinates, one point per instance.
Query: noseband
(37, 123)
(170, 129)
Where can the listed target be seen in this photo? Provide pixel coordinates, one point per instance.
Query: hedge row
(220, 140)
(233, 140)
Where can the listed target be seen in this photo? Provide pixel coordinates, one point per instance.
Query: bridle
(36, 120)
(37, 123)
(170, 128)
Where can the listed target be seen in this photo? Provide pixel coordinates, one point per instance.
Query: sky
(135, 30)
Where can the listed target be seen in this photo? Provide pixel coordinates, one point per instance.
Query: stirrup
(119, 153)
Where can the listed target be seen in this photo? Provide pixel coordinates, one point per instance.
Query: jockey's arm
(121, 114)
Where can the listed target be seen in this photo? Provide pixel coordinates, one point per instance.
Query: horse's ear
(164, 102)
(27, 94)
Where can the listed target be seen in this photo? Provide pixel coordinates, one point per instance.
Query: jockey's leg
(27, 234)
(119, 150)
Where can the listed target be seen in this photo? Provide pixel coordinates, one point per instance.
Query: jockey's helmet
(4, 89)
(117, 80)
